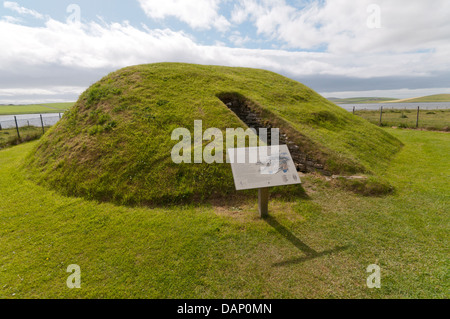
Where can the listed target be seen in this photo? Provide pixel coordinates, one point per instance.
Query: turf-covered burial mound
(115, 143)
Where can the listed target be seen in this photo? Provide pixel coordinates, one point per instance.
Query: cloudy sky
(52, 50)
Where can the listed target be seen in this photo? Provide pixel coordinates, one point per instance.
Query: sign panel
(260, 167)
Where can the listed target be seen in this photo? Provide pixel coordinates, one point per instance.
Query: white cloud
(239, 40)
(115, 45)
(40, 95)
(11, 19)
(198, 14)
(40, 91)
(399, 49)
(396, 94)
(341, 25)
(14, 6)
(88, 45)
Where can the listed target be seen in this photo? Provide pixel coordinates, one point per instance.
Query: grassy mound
(115, 143)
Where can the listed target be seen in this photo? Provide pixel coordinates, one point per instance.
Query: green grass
(115, 143)
(314, 246)
(35, 108)
(428, 119)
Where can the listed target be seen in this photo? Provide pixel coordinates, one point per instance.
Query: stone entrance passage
(252, 118)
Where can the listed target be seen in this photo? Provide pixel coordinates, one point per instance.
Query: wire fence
(16, 129)
(437, 119)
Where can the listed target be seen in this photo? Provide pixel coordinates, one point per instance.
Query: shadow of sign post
(304, 248)
(264, 167)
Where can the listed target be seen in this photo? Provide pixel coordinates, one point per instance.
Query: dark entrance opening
(241, 107)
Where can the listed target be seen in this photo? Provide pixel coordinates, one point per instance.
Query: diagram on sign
(259, 167)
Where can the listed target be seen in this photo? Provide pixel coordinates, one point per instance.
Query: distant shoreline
(437, 98)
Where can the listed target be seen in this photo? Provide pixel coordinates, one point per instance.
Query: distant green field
(360, 100)
(428, 119)
(35, 108)
(426, 99)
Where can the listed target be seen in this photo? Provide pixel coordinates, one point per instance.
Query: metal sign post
(263, 202)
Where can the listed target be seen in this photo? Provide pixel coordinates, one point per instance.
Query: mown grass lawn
(314, 247)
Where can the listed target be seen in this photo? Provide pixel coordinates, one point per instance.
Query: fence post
(417, 122)
(59, 115)
(42, 124)
(353, 110)
(381, 114)
(0, 126)
(17, 127)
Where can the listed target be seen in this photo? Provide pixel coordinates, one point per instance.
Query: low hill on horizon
(359, 100)
(424, 99)
(375, 100)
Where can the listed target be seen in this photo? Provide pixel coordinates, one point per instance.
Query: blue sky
(339, 48)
